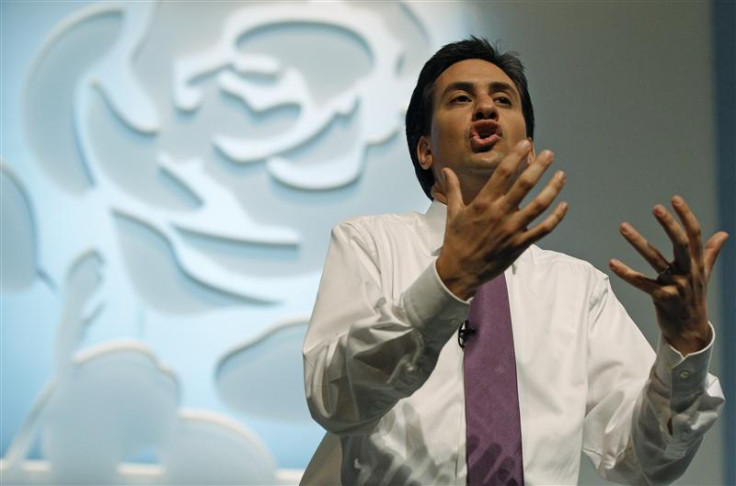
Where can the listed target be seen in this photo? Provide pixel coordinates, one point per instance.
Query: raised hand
(485, 236)
(680, 288)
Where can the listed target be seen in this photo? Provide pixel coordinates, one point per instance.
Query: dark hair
(419, 113)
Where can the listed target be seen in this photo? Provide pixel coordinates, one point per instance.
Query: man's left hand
(679, 291)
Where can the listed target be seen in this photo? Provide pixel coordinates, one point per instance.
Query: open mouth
(484, 134)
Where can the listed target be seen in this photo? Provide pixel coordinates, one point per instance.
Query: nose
(485, 108)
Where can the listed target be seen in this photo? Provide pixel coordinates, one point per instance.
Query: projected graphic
(173, 174)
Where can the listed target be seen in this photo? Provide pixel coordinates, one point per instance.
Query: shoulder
(380, 225)
(386, 238)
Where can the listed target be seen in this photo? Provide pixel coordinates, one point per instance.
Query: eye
(461, 98)
(502, 100)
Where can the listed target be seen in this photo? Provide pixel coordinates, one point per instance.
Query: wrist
(691, 341)
(461, 284)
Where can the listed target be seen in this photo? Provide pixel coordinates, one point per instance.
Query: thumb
(453, 191)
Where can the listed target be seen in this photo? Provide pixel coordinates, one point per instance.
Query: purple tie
(491, 397)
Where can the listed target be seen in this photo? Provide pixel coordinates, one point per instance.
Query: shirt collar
(436, 219)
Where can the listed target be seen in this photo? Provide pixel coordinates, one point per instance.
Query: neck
(469, 190)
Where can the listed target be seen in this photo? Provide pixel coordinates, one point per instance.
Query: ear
(424, 153)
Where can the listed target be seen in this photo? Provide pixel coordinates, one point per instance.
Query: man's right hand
(484, 237)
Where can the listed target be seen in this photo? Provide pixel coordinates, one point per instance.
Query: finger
(545, 227)
(680, 243)
(645, 249)
(499, 182)
(529, 178)
(454, 193)
(692, 227)
(637, 279)
(543, 200)
(712, 249)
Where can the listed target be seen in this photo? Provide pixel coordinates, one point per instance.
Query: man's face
(476, 120)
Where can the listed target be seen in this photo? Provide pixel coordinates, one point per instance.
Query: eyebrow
(495, 87)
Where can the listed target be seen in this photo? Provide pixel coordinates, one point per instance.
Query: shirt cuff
(432, 308)
(684, 376)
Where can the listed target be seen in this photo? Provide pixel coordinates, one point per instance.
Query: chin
(487, 160)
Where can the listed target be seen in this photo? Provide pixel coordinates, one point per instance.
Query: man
(384, 374)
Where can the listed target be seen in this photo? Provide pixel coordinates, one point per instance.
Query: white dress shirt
(384, 371)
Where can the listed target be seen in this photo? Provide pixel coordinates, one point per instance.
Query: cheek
(448, 139)
(450, 136)
(519, 127)
(447, 149)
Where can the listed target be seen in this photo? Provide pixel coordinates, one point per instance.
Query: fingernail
(659, 210)
(561, 176)
(677, 200)
(625, 228)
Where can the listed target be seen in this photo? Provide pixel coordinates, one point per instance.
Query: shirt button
(684, 374)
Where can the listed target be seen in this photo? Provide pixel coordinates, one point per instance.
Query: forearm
(680, 403)
(647, 413)
(364, 350)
